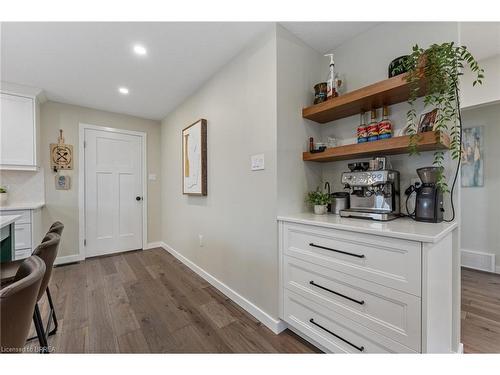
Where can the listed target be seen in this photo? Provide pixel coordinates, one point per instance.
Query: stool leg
(42, 339)
(53, 312)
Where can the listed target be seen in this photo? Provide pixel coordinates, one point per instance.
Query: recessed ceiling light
(140, 50)
(123, 90)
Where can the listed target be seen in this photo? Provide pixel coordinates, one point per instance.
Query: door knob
(138, 198)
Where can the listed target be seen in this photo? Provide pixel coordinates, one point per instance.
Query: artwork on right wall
(472, 157)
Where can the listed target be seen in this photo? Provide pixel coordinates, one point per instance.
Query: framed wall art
(194, 158)
(427, 121)
(472, 157)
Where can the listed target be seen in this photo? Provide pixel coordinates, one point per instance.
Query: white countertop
(404, 228)
(22, 206)
(7, 220)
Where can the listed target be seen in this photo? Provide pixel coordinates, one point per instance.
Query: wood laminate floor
(480, 311)
(149, 302)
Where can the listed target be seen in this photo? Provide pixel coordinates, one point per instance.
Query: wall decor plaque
(61, 154)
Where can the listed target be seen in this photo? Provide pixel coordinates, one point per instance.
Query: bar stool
(47, 251)
(17, 303)
(57, 227)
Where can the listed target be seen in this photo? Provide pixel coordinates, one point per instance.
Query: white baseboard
(275, 325)
(461, 348)
(153, 245)
(68, 259)
(479, 260)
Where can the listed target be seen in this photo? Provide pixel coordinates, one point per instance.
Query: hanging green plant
(440, 67)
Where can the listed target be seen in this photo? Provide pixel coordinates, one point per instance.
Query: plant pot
(4, 197)
(320, 209)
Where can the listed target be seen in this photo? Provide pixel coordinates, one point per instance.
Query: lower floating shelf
(429, 141)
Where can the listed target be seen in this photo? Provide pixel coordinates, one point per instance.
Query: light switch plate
(152, 177)
(257, 162)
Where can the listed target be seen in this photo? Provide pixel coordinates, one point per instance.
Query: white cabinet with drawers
(354, 286)
(27, 231)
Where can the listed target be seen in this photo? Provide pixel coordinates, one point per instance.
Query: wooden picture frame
(194, 158)
(427, 121)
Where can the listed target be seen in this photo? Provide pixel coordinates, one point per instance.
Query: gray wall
(364, 60)
(489, 91)
(63, 204)
(253, 105)
(238, 217)
(299, 69)
(481, 205)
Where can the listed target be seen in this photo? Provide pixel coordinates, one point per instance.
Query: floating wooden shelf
(429, 141)
(390, 91)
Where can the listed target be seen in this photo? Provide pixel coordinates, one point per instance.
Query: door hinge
(84, 144)
(85, 242)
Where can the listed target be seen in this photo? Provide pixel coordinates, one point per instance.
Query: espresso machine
(374, 194)
(429, 202)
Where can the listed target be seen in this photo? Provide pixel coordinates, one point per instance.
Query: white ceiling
(325, 36)
(85, 63)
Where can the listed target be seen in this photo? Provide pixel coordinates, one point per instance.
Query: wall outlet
(415, 181)
(200, 237)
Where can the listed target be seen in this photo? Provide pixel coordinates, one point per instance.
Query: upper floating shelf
(387, 92)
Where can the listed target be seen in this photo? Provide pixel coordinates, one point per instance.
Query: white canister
(4, 197)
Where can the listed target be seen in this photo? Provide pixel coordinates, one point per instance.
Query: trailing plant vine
(440, 67)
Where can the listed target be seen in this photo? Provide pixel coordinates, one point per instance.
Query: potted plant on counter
(3, 195)
(319, 201)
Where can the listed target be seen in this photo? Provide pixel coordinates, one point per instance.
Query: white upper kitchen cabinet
(18, 129)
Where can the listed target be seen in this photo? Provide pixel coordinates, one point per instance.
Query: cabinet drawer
(387, 311)
(334, 331)
(391, 262)
(22, 236)
(25, 215)
(22, 253)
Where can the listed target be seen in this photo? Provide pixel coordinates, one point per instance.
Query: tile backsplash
(24, 186)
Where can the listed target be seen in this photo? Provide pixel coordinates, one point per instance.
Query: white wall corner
(154, 245)
(275, 325)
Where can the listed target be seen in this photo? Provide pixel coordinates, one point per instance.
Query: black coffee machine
(429, 202)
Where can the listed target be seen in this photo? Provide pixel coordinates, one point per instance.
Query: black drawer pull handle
(337, 293)
(360, 348)
(338, 251)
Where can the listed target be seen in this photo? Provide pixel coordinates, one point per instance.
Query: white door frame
(81, 181)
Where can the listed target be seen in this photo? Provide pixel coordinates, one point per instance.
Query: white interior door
(113, 192)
